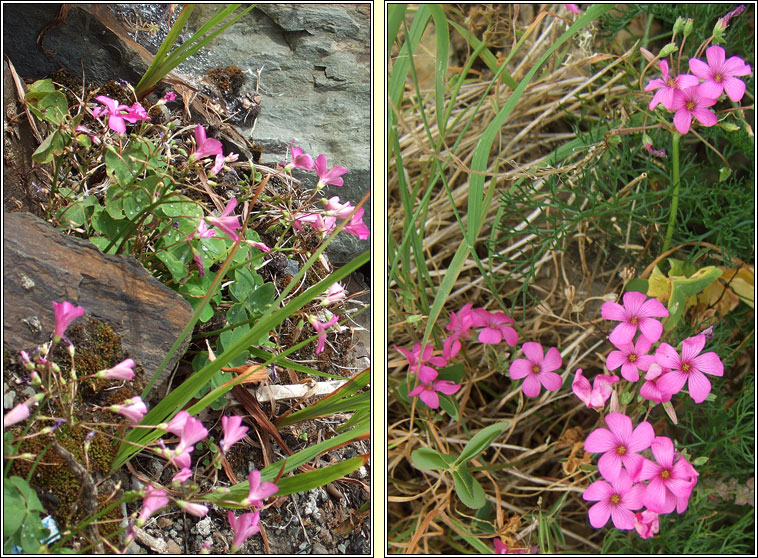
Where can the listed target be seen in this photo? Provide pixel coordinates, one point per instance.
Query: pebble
(319, 548)
(204, 526)
(8, 399)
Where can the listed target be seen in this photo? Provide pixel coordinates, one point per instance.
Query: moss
(228, 79)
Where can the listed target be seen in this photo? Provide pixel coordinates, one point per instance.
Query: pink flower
(724, 21)
(244, 527)
(537, 369)
(321, 328)
(667, 86)
(631, 357)
(689, 367)
(671, 479)
(233, 431)
(616, 500)
(418, 359)
(656, 152)
(153, 501)
(573, 8)
(114, 111)
(124, 370)
(719, 74)
(646, 523)
(427, 391)
(133, 409)
(169, 96)
(136, 113)
(332, 176)
(460, 325)
(336, 209)
(650, 389)
(636, 312)
(192, 432)
(356, 226)
(180, 457)
(182, 475)
(322, 223)
(300, 160)
(176, 425)
(596, 396)
(85, 130)
(502, 548)
(258, 491)
(192, 508)
(691, 102)
(203, 231)
(207, 147)
(65, 313)
(495, 328)
(620, 445)
(226, 222)
(16, 414)
(259, 245)
(334, 293)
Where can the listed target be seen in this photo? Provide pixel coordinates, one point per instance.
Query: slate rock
(42, 265)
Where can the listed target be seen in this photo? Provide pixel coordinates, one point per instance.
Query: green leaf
(135, 203)
(53, 145)
(482, 440)
(449, 404)
(178, 269)
(320, 477)
(117, 167)
(685, 287)
(638, 285)
(76, 213)
(428, 459)
(243, 286)
(181, 209)
(47, 103)
(14, 510)
(27, 493)
(468, 489)
(262, 297)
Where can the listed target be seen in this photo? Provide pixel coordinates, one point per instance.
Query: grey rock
(204, 526)
(8, 398)
(116, 290)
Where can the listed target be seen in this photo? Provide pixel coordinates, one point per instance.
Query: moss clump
(228, 79)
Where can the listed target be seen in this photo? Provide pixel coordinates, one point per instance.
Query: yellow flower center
(686, 367)
(536, 369)
(632, 358)
(690, 105)
(615, 499)
(665, 474)
(621, 450)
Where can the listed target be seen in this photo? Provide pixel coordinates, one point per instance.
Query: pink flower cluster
(118, 114)
(419, 362)
(326, 221)
(689, 97)
(670, 477)
(191, 431)
(209, 147)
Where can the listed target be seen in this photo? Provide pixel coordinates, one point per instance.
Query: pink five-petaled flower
(136, 113)
(594, 396)
(168, 97)
(182, 475)
(537, 368)
(418, 359)
(331, 176)
(192, 432)
(65, 313)
(671, 481)
(153, 501)
(719, 74)
(334, 293)
(124, 370)
(616, 500)
(650, 389)
(619, 446)
(460, 325)
(202, 231)
(688, 367)
(336, 209)
(244, 527)
(300, 160)
(690, 102)
(646, 523)
(176, 425)
(631, 357)
(258, 491)
(574, 9)
(321, 328)
(427, 391)
(667, 86)
(233, 432)
(207, 147)
(637, 312)
(356, 226)
(193, 508)
(133, 409)
(495, 327)
(116, 120)
(321, 222)
(227, 222)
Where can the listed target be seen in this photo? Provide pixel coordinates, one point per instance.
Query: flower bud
(729, 126)
(679, 25)
(668, 49)
(688, 27)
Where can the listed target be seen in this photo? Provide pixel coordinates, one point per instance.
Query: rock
(318, 548)
(8, 398)
(116, 290)
(204, 527)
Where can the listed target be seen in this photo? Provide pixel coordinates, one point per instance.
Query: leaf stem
(675, 194)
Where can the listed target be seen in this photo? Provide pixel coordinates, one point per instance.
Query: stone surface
(116, 290)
